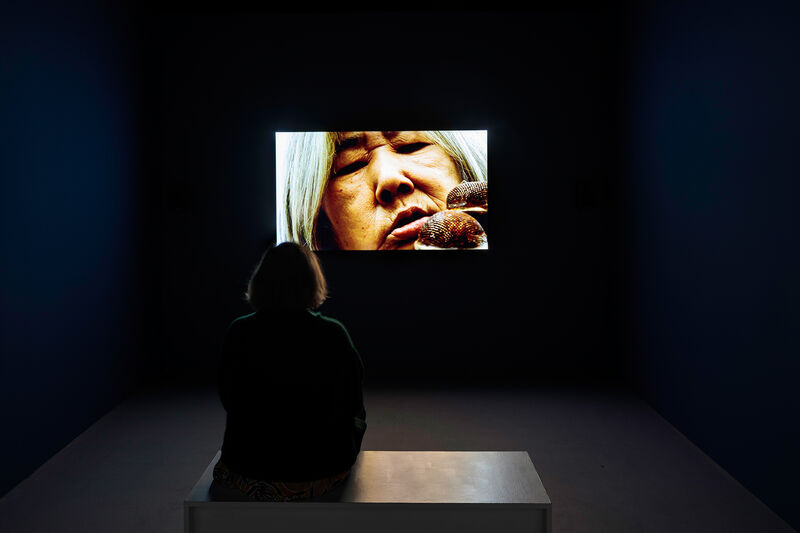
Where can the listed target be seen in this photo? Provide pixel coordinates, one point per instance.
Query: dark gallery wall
(642, 176)
(540, 305)
(714, 182)
(138, 191)
(70, 249)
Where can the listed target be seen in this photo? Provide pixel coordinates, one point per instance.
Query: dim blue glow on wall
(69, 233)
(714, 188)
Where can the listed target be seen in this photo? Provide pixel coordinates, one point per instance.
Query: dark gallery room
(633, 324)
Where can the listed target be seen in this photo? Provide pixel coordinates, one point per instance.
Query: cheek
(441, 172)
(339, 201)
(349, 209)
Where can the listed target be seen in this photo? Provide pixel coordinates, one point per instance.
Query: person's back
(290, 381)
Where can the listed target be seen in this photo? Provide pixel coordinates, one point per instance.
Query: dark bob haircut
(288, 276)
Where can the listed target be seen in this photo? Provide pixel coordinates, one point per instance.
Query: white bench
(394, 492)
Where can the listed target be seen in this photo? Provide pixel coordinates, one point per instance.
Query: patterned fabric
(275, 491)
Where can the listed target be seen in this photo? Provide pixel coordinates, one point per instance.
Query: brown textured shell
(469, 195)
(451, 229)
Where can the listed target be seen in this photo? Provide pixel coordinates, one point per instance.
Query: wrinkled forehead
(350, 139)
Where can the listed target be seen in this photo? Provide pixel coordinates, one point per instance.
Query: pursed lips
(406, 226)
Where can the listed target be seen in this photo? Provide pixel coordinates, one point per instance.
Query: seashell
(469, 196)
(451, 230)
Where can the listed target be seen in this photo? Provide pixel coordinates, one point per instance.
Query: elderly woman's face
(383, 185)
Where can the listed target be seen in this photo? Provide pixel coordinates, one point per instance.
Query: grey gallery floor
(608, 461)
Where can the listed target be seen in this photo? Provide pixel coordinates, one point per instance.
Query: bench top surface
(446, 477)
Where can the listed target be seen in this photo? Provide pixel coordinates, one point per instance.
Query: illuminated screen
(383, 190)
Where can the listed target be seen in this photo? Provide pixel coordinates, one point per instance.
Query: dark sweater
(291, 383)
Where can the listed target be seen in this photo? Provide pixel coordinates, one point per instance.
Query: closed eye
(411, 147)
(349, 169)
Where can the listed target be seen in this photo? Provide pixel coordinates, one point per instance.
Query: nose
(391, 181)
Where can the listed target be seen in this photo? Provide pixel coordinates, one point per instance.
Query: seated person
(290, 381)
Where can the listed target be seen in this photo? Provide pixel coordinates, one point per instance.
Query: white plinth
(395, 492)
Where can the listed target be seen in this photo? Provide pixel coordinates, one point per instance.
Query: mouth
(405, 229)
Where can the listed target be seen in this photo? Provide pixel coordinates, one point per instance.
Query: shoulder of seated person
(326, 319)
(242, 319)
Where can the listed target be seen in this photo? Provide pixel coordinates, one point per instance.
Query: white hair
(304, 168)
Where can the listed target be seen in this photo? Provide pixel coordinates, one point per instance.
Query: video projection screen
(383, 190)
